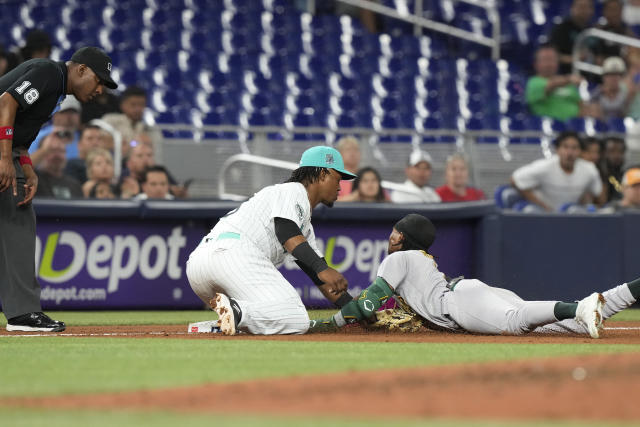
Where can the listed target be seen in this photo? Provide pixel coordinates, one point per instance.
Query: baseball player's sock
(565, 310)
(634, 287)
(237, 312)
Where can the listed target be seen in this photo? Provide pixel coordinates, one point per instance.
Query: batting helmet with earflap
(419, 232)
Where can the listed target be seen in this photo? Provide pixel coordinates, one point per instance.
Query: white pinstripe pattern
(254, 218)
(245, 268)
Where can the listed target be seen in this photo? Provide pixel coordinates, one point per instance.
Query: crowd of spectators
(367, 187)
(553, 91)
(584, 173)
(105, 149)
(75, 155)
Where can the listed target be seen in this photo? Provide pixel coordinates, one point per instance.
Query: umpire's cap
(96, 59)
(419, 232)
(322, 156)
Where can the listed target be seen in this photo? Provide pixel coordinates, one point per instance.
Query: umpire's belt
(223, 236)
(453, 282)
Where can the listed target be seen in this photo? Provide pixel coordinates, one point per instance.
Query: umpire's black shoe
(34, 322)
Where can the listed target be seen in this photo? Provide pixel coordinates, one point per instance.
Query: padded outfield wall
(132, 254)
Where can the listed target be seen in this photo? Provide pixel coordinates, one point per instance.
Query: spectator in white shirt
(418, 173)
(563, 178)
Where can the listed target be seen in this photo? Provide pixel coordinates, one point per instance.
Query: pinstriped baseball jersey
(240, 256)
(253, 219)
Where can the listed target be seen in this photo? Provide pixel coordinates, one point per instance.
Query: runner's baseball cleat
(589, 313)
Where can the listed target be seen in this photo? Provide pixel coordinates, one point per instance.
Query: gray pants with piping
(19, 288)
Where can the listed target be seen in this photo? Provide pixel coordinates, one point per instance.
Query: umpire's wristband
(306, 255)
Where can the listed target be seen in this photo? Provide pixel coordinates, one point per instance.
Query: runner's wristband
(25, 160)
(6, 132)
(305, 254)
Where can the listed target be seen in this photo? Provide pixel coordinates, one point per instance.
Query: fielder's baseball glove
(402, 318)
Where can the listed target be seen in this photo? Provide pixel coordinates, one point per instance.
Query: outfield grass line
(131, 334)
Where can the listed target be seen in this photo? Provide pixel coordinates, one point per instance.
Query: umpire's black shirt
(39, 86)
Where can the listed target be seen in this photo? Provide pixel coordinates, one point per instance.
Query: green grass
(59, 365)
(631, 314)
(42, 365)
(51, 418)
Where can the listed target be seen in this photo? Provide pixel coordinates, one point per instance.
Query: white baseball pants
(235, 267)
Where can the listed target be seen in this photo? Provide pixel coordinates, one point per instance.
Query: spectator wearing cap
(130, 122)
(613, 96)
(456, 187)
(416, 187)
(349, 149)
(552, 95)
(66, 119)
(630, 192)
(561, 179)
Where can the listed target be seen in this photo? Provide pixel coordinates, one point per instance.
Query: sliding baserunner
(470, 305)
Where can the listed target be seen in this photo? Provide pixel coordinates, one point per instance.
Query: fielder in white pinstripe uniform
(234, 268)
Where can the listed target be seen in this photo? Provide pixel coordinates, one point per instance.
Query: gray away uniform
(476, 307)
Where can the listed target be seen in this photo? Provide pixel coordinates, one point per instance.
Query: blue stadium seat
(577, 125)
(165, 117)
(616, 125)
(506, 196)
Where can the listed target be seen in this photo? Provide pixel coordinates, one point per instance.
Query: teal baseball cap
(323, 156)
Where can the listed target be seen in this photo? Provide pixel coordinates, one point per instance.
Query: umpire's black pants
(19, 288)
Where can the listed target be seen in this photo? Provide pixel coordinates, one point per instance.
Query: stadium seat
(506, 197)
(576, 208)
(526, 207)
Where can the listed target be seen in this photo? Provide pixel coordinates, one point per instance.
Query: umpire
(30, 94)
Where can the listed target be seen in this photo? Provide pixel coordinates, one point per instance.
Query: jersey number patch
(31, 95)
